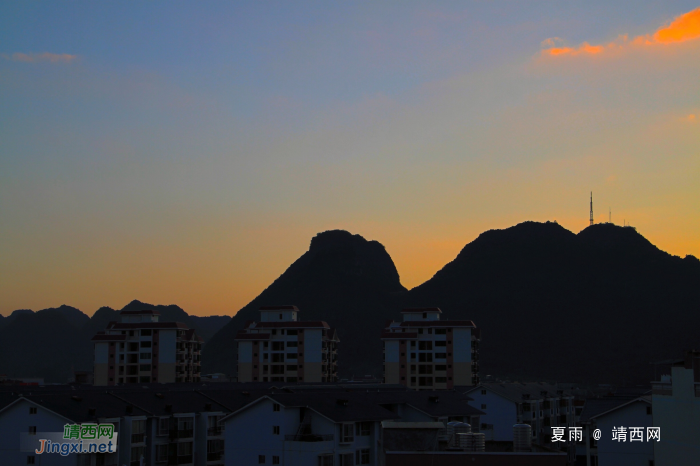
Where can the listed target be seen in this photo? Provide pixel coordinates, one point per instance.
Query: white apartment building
(676, 410)
(426, 353)
(280, 348)
(540, 405)
(140, 349)
(610, 413)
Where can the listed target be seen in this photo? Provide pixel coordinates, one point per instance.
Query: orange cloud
(685, 27)
(41, 57)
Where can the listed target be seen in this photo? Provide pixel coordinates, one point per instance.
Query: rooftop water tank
(522, 437)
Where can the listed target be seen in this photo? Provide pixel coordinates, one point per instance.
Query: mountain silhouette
(342, 279)
(594, 307)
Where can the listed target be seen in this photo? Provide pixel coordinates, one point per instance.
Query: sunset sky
(187, 152)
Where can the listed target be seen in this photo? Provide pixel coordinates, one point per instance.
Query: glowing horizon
(192, 160)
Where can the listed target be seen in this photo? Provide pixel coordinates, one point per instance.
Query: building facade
(676, 411)
(424, 352)
(541, 405)
(140, 349)
(280, 348)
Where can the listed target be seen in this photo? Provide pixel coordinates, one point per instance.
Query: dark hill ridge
(342, 279)
(597, 306)
(51, 342)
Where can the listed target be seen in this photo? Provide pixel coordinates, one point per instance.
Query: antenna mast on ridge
(591, 207)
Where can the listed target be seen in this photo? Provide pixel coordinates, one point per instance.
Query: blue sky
(187, 151)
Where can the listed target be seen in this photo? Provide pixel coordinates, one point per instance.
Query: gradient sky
(187, 152)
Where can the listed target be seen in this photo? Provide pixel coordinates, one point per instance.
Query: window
(440, 331)
(648, 410)
(483, 392)
(275, 460)
(292, 344)
(346, 459)
(146, 332)
(138, 427)
(145, 355)
(137, 453)
(425, 381)
(275, 407)
(162, 452)
(362, 456)
(440, 379)
(184, 448)
(325, 460)
(261, 458)
(275, 430)
(163, 426)
(145, 367)
(32, 430)
(425, 345)
(440, 356)
(425, 357)
(440, 343)
(32, 410)
(347, 433)
(483, 406)
(31, 459)
(292, 332)
(362, 429)
(145, 344)
(440, 367)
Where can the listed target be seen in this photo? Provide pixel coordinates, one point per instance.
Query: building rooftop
(80, 406)
(285, 307)
(412, 310)
(515, 391)
(597, 407)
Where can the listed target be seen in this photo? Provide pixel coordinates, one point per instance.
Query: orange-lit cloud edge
(684, 28)
(40, 57)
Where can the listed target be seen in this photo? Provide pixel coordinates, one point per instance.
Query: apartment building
(328, 426)
(280, 348)
(224, 423)
(41, 411)
(607, 414)
(676, 411)
(541, 405)
(140, 349)
(426, 353)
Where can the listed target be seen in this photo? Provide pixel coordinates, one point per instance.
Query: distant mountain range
(51, 342)
(592, 307)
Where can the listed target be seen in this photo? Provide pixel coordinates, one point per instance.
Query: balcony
(214, 431)
(184, 433)
(309, 438)
(662, 388)
(180, 459)
(215, 456)
(138, 438)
